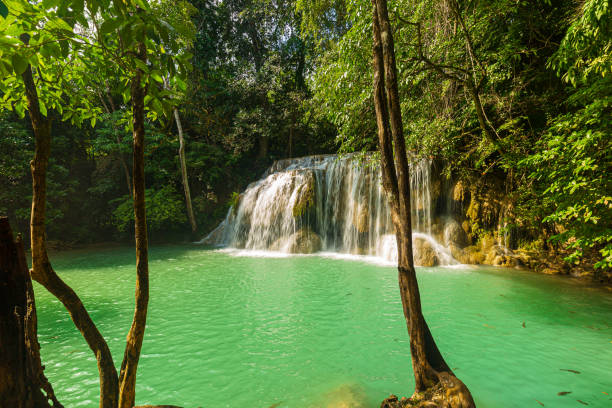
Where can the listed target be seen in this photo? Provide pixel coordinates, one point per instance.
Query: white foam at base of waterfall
(370, 259)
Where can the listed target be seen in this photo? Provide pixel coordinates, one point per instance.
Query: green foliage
(3, 9)
(586, 49)
(165, 211)
(16, 147)
(571, 164)
(43, 36)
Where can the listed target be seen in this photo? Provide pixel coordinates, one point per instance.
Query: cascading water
(329, 203)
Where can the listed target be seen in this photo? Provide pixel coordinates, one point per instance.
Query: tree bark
(184, 177)
(430, 369)
(129, 366)
(42, 271)
(485, 125)
(126, 170)
(22, 380)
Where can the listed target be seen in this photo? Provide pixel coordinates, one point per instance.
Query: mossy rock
(305, 196)
(471, 255)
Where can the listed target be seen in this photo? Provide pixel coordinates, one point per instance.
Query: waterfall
(329, 203)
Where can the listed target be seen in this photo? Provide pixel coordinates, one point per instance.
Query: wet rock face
(454, 234)
(424, 254)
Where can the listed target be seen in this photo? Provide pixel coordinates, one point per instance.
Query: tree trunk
(482, 117)
(126, 170)
(129, 366)
(430, 369)
(22, 380)
(184, 177)
(42, 271)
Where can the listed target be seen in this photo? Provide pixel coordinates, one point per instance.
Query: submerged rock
(344, 396)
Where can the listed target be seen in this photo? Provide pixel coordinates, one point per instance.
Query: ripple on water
(226, 330)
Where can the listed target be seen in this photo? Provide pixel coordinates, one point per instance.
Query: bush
(165, 210)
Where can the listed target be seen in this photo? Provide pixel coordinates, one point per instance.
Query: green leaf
(59, 24)
(181, 84)
(42, 107)
(3, 9)
(19, 64)
(20, 109)
(109, 26)
(157, 76)
(141, 64)
(50, 3)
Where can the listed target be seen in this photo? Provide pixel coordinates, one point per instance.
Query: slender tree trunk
(42, 271)
(22, 380)
(184, 177)
(486, 127)
(129, 366)
(126, 170)
(430, 369)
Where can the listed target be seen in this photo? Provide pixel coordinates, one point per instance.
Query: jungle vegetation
(509, 95)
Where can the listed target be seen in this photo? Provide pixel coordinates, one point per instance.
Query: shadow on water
(113, 256)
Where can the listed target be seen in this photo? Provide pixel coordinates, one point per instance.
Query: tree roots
(449, 392)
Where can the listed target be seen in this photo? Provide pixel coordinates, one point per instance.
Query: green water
(227, 331)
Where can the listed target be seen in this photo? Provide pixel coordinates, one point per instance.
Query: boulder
(471, 255)
(304, 241)
(499, 256)
(424, 254)
(454, 234)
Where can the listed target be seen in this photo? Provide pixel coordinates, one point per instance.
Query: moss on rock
(305, 197)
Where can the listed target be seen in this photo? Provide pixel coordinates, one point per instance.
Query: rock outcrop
(454, 234)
